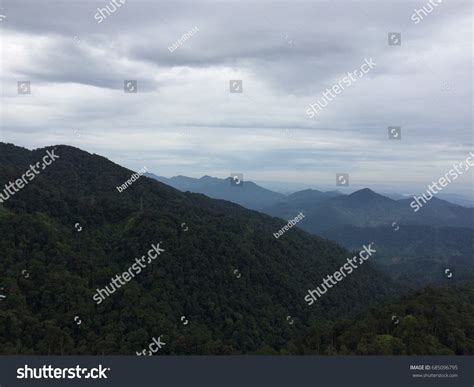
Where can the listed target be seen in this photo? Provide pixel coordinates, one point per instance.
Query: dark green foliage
(194, 277)
(433, 321)
(412, 248)
(415, 255)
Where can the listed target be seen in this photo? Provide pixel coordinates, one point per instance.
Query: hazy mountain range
(413, 246)
(220, 189)
(222, 268)
(326, 210)
(241, 290)
(249, 195)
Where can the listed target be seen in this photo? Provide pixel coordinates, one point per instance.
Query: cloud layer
(184, 120)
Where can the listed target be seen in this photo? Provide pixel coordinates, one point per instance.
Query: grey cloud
(286, 53)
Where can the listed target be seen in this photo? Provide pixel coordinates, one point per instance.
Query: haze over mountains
(219, 189)
(249, 195)
(365, 208)
(240, 289)
(326, 210)
(253, 196)
(413, 246)
(234, 97)
(222, 268)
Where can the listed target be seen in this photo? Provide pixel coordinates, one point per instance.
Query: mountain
(309, 196)
(328, 210)
(414, 248)
(366, 208)
(415, 255)
(438, 212)
(249, 194)
(302, 199)
(465, 201)
(69, 232)
(460, 200)
(363, 207)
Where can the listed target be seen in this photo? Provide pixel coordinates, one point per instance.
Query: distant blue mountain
(413, 247)
(249, 194)
(327, 210)
(366, 208)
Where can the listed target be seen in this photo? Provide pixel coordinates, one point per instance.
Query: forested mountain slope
(69, 231)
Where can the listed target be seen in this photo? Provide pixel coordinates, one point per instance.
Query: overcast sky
(184, 120)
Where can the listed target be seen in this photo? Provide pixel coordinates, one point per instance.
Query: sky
(183, 119)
